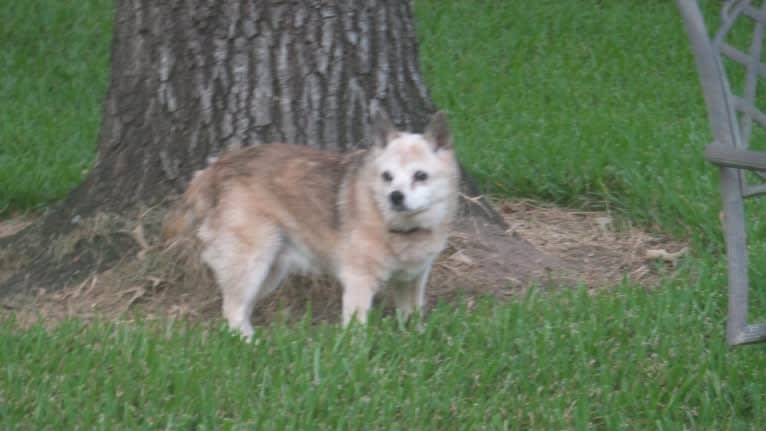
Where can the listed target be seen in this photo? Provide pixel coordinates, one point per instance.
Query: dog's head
(416, 175)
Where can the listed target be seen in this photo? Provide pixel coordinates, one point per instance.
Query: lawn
(629, 359)
(54, 67)
(584, 103)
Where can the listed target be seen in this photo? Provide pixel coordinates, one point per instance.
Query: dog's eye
(420, 176)
(387, 176)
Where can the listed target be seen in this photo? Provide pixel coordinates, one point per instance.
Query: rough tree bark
(193, 78)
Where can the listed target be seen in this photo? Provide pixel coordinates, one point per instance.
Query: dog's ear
(437, 132)
(382, 128)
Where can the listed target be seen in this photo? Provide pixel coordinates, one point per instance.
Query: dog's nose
(396, 197)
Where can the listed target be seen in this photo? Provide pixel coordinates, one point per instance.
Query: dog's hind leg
(276, 274)
(242, 272)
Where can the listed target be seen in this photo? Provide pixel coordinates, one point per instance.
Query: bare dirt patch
(544, 246)
(601, 252)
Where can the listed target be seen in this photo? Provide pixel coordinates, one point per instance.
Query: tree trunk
(193, 78)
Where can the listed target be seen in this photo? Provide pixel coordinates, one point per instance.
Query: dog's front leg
(410, 296)
(358, 291)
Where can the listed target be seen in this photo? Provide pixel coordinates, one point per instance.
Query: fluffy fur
(372, 218)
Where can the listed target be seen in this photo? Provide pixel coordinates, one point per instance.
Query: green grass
(563, 361)
(580, 102)
(54, 68)
(584, 102)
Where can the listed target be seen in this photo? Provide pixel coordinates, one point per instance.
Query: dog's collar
(405, 231)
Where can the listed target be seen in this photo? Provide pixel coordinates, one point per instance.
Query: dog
(372, 218)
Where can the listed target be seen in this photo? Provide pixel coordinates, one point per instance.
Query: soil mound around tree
(543, 246)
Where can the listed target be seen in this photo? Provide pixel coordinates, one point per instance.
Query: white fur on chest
(410, 258)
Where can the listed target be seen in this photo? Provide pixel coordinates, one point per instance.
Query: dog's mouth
(411, 212)
(417, 211)
(408, 212)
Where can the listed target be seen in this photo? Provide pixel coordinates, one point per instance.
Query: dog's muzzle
(397, 201)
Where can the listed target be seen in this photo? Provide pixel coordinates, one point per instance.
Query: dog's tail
(193, 207)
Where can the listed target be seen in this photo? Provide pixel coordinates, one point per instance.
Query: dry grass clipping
(165, 282)
(604, 252)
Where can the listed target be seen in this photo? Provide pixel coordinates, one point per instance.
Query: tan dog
(371, 218)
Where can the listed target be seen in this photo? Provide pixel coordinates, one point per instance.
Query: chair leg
(755, 333)
(737, 329)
